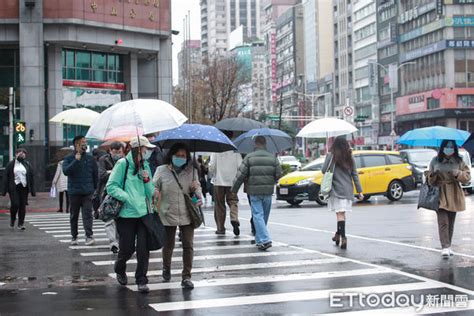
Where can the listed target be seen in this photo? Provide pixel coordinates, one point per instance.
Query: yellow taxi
(380, 173)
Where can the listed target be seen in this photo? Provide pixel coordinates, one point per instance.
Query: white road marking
(80, 235)
(211, 257)
(267, 279)
(286, 297)
(409, 310)
(82, 240)
(249, 266)
(69, 231)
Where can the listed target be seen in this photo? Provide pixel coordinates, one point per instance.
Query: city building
(343, 74)
(437, 88)
(219, 18)
(387, 54)
(272, 10)
(364, 100)
(189, 60)
(258, 78)
(78, 54)
(290, 61)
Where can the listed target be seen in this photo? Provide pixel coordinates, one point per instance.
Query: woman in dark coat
(18, 182)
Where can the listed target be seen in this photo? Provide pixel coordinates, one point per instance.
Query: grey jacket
(342, 180)
(262, 170)
(172, 208)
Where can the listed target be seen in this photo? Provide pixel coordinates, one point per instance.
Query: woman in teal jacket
(137, 197)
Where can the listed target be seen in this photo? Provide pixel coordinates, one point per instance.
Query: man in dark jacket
(106, 164)
(18, 181)
(262, 170)
(81, 170)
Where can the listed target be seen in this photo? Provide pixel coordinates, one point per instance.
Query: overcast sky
(179, 9)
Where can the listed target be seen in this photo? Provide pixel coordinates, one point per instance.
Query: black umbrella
(469, 144)
(238, 124)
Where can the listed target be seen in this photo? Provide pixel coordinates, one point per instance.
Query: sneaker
(90, 241)
(264, 246)
(166, 275)
(187, 284)
(236, 225)
(122, 279)
(445, 253)
(74, 242)
(143, 288)
(451, 253)
(21, 227)
(114, 249)
(220, 232)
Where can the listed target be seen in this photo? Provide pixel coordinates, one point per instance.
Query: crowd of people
(146, 178)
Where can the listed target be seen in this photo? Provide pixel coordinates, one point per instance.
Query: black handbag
(194, 211)
(429, 197)
(156, 233)
(110, 207)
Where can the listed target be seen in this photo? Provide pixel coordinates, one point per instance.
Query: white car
(291, 161)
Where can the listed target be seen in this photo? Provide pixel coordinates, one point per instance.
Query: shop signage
(416, 99)
(416, 12)
(458, 1)
(423, 51)
(460, 21)
(465, 43)
(428, 28)
(383, 5)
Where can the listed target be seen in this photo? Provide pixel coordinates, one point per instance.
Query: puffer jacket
(82, 174)
(262, 170)
(138, 195)
(172, 208)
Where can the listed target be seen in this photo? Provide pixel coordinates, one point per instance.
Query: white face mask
(147, 154)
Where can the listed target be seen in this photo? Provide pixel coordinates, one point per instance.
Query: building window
(465, 101)
(433, 103)
(92, 66)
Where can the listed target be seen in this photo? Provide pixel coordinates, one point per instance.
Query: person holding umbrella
(171, 180)
(447, 170)
(18, 182)
(137, 197)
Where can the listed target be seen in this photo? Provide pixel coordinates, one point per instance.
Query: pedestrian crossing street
(231, 276)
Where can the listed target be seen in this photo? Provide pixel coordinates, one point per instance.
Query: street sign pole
(10, 126)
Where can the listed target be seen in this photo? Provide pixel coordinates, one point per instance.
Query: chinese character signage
(466, 43)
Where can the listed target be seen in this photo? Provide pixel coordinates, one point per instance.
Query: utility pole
(11, 117)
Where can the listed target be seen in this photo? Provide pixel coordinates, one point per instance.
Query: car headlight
(304, 182)
(420, 170)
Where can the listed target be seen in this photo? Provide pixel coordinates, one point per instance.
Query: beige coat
(172, 207)
(60, 179)
(448, 175)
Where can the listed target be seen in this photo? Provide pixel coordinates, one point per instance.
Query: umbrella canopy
(197, 137)
(146, 115)
(327, 127)
(81, 116)
(469, 145)
(276, 140)
(433, 136)
(238, 124)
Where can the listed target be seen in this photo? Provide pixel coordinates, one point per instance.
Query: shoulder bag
(110, 207)
(429, 197)
(326, 183)
(194, 211)
(155, 231)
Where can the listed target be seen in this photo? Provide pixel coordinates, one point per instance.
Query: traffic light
(20, 132)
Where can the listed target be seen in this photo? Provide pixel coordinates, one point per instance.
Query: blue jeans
(261, 205)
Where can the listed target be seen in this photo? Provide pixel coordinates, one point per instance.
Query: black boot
(341, 227)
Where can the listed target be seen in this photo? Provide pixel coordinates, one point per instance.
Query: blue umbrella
(198, 138)
(469, 145)
(276, 140)
(433, 136)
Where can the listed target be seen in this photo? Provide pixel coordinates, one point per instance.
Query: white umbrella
(327, 127)
(81, 116)
(146, 115)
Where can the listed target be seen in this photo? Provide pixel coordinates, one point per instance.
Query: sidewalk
(41, 203)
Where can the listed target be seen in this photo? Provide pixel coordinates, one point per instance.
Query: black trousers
(129, 230)
(81, 202)
(18, 200)
(61, 200)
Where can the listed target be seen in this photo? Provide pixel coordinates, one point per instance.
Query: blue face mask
(178, 161)
(448, 151)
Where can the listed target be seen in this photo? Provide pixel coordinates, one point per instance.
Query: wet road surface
(392, 247)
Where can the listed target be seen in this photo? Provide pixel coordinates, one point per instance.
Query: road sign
(273, 117)
(348, 111)
(20, 132)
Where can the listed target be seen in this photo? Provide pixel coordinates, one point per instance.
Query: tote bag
(326, 184)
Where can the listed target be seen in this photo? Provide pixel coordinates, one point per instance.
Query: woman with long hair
(447, 171)
(340, 161)
(171, 180)
(130, 183)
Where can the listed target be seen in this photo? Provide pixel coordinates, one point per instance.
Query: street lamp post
(313, 97)
(392, 119)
